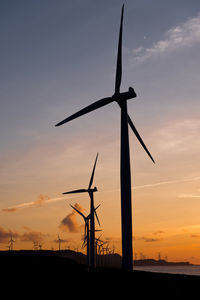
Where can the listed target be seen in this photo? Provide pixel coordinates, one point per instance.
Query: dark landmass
(67, 269)
(161, 262)
(73, 258)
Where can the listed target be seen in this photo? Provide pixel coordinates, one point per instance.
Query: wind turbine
(125, 172)
(87, 230)
(59, 242)
(11, 242)
(90, 191)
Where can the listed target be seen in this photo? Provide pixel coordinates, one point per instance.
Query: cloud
(195, 235)
(28, 236)
(69, 223)
(148, 239)
(39, 202)
(6, 234)
(9, 209)
(188, 196)
(165, 183)
(158, 232)
(184, 35)
(151, 238)
(32, 236)
(179, 137)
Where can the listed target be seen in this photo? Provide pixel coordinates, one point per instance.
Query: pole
(92, 232)
(126, 207)
(88, 242)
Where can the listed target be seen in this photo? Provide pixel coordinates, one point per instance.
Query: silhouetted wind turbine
(90, 191)
(11, 242)
(59, 242)
(125, 173)
(87, 230)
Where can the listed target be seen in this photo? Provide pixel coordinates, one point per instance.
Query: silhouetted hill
(72, 258)
(66, 269)
(38, 260)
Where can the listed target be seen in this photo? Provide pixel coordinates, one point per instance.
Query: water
(187, 270)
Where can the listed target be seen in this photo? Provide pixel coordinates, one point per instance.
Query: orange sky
(166, 206)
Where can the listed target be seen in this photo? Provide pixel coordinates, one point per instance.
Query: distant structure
(11, 242)
(40, 246)
(35, 245)
(125, 172)
(59, 243)
(159, 256)
(86, 240)
(91, 192)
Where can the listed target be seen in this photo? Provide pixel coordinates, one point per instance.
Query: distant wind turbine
(59, 243)
(90, 191)
(11, 241)
(125, 173)
(86, 230)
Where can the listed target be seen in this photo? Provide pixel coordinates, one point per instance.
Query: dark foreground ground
(39, 269)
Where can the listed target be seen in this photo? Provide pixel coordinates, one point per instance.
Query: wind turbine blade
(119, 57)
(87, 109)
(92, 176)
(97, 207)
(97, 217)
(76, 191)
(139, 138)
(83, 244)
(80, 213)
(98, 239)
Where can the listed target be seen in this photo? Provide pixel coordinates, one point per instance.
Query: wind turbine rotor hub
(130, 94)
(93, 190)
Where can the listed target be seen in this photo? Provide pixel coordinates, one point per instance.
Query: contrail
(35, 203)
(137, 187)
(188, 196)
(149, 185)
(165, 182)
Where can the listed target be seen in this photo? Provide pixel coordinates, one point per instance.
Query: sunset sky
(59, 56)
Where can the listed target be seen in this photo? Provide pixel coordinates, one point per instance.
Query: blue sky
(59, 56)
(62, 55)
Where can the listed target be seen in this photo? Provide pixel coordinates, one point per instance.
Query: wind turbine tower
(59, 243)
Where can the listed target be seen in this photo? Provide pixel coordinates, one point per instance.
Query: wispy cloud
(186, 34)
(178, 136)
(188, 196)
(6, 234)
(42, 199)
(37, 203)
(28, 236)
(165, 183)
(149, 239)
(32, 236)
(156, 236)
(195, 235)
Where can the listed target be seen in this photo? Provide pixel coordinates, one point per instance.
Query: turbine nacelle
(92, 190)
(124, 96)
